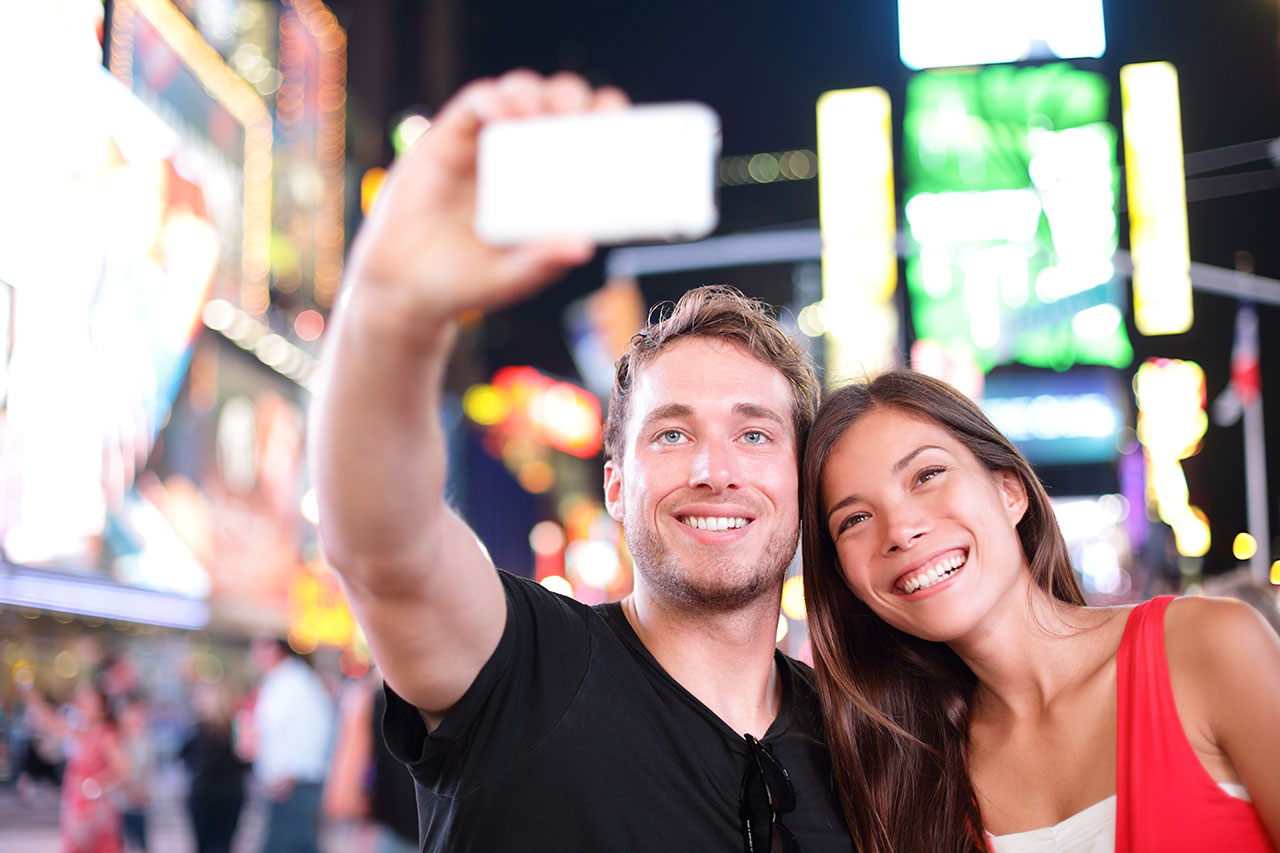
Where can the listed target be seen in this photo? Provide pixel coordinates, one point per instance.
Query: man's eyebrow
(666, 413)
(755, 410)
(897, 469)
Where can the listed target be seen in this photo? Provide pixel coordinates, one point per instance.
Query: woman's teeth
(709, 523)
(938, 571)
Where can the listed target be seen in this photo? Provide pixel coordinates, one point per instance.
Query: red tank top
(1165, 799)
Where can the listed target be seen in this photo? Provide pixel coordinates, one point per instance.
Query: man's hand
(417, 251)
(419, 582)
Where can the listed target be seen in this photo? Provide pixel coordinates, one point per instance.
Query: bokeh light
(1244, 546)
(546, 538)
(793, 598)
(558, 584)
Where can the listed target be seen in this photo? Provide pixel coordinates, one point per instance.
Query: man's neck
(725, 660)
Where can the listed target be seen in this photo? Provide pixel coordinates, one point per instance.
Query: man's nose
(715, 466)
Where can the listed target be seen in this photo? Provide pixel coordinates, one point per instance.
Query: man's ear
(613, 490)
(1014, 493)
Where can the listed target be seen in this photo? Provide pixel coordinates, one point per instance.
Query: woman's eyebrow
(897, 469)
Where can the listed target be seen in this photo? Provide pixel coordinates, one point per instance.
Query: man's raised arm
(417, 579)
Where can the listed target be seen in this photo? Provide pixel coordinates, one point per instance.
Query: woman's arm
(43, 714)
(1224, 660)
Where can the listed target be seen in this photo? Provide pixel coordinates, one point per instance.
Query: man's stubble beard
(731, 589)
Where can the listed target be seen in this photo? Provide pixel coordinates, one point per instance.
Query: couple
(968, 695)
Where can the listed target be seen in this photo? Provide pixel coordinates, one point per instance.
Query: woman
(216, 791)
(972, 700)
(89, 820)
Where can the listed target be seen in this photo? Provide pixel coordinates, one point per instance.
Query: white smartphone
(643, 173)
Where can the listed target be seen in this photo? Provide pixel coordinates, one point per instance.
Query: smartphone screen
(647, 173)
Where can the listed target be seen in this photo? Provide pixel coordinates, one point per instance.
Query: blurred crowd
(304, 743)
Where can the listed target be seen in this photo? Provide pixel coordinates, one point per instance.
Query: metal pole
(1255, 485)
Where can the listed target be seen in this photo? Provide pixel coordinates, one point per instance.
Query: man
(292, 733)
(531, 722)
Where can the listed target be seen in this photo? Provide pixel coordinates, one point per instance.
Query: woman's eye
(928, 474)
(856, 518)
(754, 437)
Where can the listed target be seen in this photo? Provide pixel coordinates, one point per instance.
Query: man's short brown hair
(721, 313)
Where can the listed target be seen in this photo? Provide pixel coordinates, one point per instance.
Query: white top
(294, 717)
(1092, 830)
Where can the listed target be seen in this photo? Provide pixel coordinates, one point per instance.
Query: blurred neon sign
(934, 33)
(858, 224)
(1157, 198)
(1171, 424)
(522, 401)
(1011, 210)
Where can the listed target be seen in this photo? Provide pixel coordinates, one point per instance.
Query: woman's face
(89, 704)
(925, 535)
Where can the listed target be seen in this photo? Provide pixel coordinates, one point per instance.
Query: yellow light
(302, 639)
(1244, 546)
(783, 628)
(1171, 422)
(1156, 185)
(370, 184)
(1191, 532)
(22, 673)
(793, 598)
(558, 584)
(66, 665)
(1275, 573)
(858, 223)
(485, 404)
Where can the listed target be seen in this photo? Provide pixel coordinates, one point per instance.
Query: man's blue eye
(671, 436)
(754, 437)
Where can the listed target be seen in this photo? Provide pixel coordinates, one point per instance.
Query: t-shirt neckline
(617, 621)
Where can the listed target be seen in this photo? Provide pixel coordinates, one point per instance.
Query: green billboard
(1010, 206)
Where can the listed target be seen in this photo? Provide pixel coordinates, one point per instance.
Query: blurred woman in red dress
(89, 820)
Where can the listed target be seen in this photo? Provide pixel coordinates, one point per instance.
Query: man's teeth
(931, 575)
(716, 523)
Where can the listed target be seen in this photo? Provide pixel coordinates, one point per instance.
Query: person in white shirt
(293, 720)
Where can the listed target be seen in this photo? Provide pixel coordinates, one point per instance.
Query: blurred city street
(31, 826)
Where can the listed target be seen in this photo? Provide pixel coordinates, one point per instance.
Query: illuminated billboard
(161, 57)
(1010, 202)
(934, 33)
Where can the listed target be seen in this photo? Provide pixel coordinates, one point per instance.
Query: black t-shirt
(393, 800)
(573, 738)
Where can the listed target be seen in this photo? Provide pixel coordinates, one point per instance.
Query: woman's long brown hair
(897, 707)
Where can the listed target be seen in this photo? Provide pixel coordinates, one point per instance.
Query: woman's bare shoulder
(1217, 648)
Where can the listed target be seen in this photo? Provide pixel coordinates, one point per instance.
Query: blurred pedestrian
(366, 785)
(216, 773)
(36, 754)
(293, 722)
(89, 820)
(135, 791)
